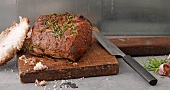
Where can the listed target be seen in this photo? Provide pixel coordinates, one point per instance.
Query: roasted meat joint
(61, 36)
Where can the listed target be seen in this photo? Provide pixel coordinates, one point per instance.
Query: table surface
(126, 79)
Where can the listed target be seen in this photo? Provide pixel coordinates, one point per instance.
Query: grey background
(112, 17)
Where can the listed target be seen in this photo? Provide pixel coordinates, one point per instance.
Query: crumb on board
(39, 66)
(30, 61)
(40, 83)
(121, 39)
(23, 57)
(74, 64)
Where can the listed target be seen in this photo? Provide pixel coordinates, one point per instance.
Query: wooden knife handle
(140, 70)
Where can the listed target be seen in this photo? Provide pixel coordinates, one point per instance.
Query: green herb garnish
(152, 64)
(59, 23)
(30, 47)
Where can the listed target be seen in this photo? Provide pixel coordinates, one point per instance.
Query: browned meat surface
(61, 36)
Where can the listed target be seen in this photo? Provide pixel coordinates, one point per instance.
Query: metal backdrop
(113, 17)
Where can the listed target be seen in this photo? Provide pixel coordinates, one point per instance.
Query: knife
(114, 50)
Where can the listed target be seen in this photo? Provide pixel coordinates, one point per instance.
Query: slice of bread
(12, 39)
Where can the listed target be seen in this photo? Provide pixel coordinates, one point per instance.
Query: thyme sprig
(152, 64)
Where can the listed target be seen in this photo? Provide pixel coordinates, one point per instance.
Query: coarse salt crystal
(74, 64)
(40, 66)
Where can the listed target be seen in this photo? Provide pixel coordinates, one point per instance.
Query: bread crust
(12, 39)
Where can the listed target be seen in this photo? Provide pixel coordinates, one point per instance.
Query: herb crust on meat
(61, 36)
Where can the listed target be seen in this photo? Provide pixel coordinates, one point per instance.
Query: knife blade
(114, 50)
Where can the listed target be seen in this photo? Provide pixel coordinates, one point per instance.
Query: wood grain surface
(142, 46)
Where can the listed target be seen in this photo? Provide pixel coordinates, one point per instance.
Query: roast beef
(61, 36)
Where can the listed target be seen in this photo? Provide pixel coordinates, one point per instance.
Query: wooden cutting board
(143, 45)
(95, 62)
